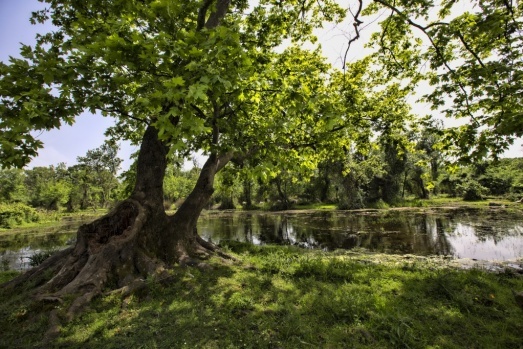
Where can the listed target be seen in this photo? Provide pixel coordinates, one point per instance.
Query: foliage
(98, 170)
(12, 188)
(90, 183)
(48, 187)
(179, 183)
(16, 214)
(357, 174)
(39, 257)
(503, 176)
(471, 190)
(475, 61)
(222, 88)
(290, 298)
(94, 178)
(228, 189)
(161, 64)
(498, 178)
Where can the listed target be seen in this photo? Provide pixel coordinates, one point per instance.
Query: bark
(282, 193)
(247, 193)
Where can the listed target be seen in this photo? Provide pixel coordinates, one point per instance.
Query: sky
(69, 142)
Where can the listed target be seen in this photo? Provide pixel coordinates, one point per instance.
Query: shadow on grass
(288, 298)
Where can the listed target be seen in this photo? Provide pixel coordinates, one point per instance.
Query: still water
(461, 233)
(17, 245)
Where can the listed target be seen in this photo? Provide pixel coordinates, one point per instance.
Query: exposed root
(80, 302)
(213, 248)
(198, 252)
(118, 251)
(135, 286)
(54, 328)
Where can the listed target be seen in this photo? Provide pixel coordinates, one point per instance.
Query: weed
(39, 257)
(5, 265)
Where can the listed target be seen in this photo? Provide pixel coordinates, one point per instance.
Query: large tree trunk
(134, 241)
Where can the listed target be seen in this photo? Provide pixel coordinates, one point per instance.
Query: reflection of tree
(398, 232)
(247, 229)
(442, 245)
(489, 224)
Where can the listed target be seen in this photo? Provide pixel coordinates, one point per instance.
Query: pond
(482, 234)
(462, 233)
(17, 245)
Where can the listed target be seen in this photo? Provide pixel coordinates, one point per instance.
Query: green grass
(443, 200)
(318, 206)
(434, 201)
(282, 297)
(54, 218)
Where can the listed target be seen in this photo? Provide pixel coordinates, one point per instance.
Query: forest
(246, 84)
(376, 181)
(380, 180)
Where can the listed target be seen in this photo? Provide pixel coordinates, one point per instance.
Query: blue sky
(69, 142)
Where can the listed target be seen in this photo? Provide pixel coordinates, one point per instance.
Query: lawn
(284, 297)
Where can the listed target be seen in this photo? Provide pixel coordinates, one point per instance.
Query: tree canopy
(208, 77)
(470, 55)
(161, 63)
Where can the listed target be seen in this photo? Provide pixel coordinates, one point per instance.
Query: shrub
(39, 257)
(16, 214)
(471, 190)
(380, 204)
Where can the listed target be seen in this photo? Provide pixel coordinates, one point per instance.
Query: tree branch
(199, 111)
(202, 12)
(437, 49)
(388, 48)
(215, 127)
(222, 6)
(469, 49)
(356, 24)
(124, 113)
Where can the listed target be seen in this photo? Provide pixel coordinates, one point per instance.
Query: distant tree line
(91, 183)
(389, 171)
(397, 166)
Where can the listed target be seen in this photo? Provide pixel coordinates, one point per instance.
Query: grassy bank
(434, 202)
(53, 218)
(281, 297)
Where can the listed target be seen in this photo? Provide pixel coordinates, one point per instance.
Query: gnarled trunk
(135, 240)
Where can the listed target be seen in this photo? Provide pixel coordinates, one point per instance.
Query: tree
(475, 60)
(177, 77)
(178, 183)
(12, 187)
(101, 166)
(227, 189)
(428, 141)
(81, 194)
(48, 187)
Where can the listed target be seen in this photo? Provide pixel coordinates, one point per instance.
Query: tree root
(119, 251)
(214, 249)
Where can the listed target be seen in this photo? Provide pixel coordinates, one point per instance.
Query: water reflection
(18, 245)
(461, 233)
